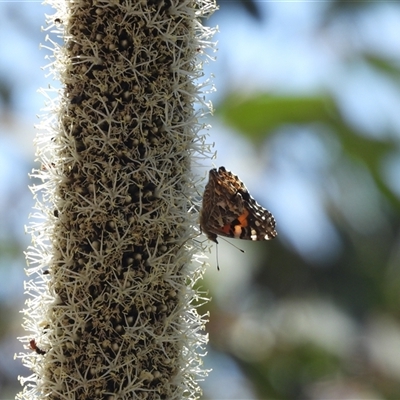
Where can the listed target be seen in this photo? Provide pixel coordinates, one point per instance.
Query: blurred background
(307, 113)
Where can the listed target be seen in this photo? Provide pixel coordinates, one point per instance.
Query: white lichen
(111, 312)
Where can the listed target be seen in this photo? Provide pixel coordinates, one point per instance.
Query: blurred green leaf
(288, 368)
(389, 67)
(369, 151)
(261, 114)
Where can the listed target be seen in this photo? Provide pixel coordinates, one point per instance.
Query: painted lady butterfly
(229, 210)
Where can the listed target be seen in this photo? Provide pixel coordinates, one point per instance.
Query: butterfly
(229, 210)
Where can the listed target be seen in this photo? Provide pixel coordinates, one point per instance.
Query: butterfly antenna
(216, 254)
(238, 248)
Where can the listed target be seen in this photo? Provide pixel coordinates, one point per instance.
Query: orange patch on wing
(243, 222)
(243, 219)
(226, 229)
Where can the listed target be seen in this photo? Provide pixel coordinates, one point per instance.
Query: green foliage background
(321, 328)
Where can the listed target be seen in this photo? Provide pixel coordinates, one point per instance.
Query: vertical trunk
(113, 315)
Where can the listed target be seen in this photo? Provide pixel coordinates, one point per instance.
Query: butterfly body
(229, 210)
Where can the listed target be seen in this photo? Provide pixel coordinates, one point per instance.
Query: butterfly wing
(229, 210)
